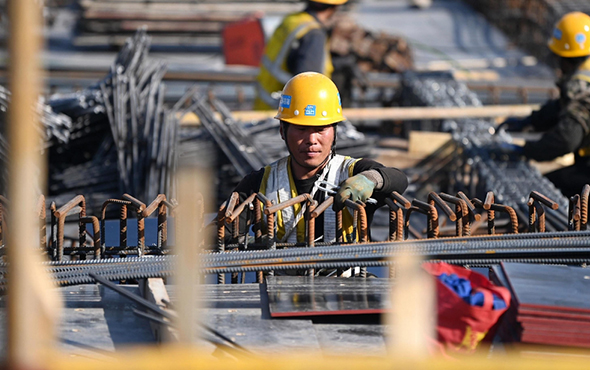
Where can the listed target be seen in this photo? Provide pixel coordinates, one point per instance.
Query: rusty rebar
(543, 200)
(221, 237)
(396, 202)
(122, 220)
(231, 205)
(435, 200)
(409, 212)
(139, 208)
(237, 211)
(536, 210)
(501, 208)
(96, 233)
(431, 213)
(42, 211)
(79, 203)
(574, 213)
(462, 224)
(288, 203)
(310, 221)
(270, 225)
(584, 207)
(490, 198)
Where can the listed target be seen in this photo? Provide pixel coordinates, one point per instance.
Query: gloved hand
(355, 188)
(509, 148)
(513, 124)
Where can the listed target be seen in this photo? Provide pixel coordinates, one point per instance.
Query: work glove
(510, 149)
(513, 124)
(355, 188)
(507, 151)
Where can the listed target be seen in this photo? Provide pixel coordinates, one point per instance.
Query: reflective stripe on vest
(278, 186)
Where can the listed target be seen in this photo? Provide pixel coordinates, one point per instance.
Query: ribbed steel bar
(490, 243)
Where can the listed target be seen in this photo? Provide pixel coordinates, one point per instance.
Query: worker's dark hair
(318, 7)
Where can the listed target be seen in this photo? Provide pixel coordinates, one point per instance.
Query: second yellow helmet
(571, 36)
(310, 99)
(330, 2)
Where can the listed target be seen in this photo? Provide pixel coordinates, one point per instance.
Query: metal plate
(292, 296)
(556, 288)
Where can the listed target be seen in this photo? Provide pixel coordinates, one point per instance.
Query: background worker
(566, 121)
(299, 44)
(309, 112)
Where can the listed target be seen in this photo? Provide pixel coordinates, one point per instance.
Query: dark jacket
(565, 121)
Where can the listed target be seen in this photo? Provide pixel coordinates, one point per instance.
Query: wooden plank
(427, 142)
(401, 114)
(244, 8)
(160, 16)
(154, 290)
(168, 40)
(153, 26)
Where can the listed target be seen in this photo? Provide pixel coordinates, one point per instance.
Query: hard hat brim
(317, 122)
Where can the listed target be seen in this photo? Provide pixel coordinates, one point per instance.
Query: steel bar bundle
(551, 248)
(56, 130)
(123, 137)
(476, 166)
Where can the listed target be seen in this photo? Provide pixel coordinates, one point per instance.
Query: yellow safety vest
(278, 185)
(583, 73)
(274, 74)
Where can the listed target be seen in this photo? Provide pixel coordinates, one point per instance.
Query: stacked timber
(528, 23)
(373, 52)
(179, 23)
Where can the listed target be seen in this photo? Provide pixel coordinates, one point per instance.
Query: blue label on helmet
(557, 33)
(310, 110)
(580, 38)
(285, 101)
(339, 101)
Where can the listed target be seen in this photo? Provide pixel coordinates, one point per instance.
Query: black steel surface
(557, 287)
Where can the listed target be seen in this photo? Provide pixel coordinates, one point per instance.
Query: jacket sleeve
(570, 128)
(393, 179)
(310, 53)
(546, 117)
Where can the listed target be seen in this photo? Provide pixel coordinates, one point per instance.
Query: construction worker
(309, 113)
(566, 121)
(299, 44)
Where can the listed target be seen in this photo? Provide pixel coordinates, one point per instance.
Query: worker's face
(309, 147)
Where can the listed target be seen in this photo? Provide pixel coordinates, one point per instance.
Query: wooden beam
(399, 114)
(33, 304)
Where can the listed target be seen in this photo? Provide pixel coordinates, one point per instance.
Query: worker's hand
(355, 188)
(513, 124)
(509, 148)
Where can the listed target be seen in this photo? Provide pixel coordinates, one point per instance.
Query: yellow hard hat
(571, 36)
(330, 2)
(310, 99)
